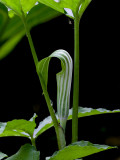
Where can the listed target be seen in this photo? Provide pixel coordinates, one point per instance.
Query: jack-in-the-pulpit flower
(64, 78)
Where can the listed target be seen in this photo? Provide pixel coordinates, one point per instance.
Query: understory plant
(25, 10)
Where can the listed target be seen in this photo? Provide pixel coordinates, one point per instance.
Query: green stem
(58, 129)
(33, 142)
(61, 141)
(30, 41)
(76, 81)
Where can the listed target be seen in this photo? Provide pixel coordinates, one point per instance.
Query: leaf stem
(30, 41)
(33, 142)
(60, 139)
(76, 80)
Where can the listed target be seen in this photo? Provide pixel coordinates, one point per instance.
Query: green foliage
(68, 7)
(3, 17)
(26, 152)
(82, 112)
(19, 6)
(14, 28)
(43, 126)
(64, 78)
(73, 9)
(2, 155)
(11, 31)
(79, 150)
(10, 44)
(22, 128)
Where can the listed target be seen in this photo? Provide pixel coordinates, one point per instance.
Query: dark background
(21, 93)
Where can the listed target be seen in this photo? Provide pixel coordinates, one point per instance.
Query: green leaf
(2, 155)
(19, 6)
(43, 126)
(83, 7)
(26, 152)
(79, 150)
(9, 45)
(38, 14)
(21, 128)
(11, 13)
(82, 112)
(33, 118)
(3, 17)
(68, 7)
(14, 30)
(64, 78)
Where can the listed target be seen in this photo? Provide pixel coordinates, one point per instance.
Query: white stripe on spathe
(64, 78)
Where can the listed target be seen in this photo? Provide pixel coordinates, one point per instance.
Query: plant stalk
(60, 140)
(75, 81)
(33, 142)
(30, 41)
(59, 131)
